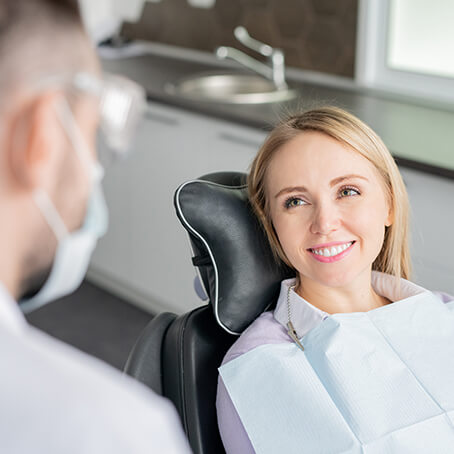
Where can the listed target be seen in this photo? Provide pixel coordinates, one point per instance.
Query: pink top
(270, 328)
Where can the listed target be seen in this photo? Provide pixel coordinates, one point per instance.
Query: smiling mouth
(332, 251)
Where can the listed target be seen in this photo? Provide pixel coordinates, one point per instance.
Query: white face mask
(74, 249)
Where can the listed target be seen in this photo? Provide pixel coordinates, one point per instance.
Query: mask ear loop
(50, 213)
(68, 123)
(40, 196)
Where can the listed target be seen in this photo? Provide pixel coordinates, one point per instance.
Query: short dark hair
(14, 11)
(39, 37)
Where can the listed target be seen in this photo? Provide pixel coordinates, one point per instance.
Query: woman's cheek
(368, 227)
(291, 232)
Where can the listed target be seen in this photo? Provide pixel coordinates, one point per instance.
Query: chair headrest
(238, 270)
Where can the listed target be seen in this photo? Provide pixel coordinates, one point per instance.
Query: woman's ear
(32, 142)
(390, 218)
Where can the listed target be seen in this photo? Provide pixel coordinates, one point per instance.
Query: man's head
(41, 41)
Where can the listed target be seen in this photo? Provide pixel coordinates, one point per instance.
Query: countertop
(419, 136)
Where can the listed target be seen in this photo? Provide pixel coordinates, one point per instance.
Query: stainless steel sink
(230, 89)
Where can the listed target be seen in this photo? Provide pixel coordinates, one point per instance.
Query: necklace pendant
(292, 333)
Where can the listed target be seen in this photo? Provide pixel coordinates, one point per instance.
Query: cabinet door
(432, 221)
(145, 256)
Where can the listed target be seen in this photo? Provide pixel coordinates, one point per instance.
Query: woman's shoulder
(264, 330)
(396, 289)
(444, 297)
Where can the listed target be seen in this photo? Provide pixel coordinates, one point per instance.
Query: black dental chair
(178, 357)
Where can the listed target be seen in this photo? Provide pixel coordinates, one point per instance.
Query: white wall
(103, 18)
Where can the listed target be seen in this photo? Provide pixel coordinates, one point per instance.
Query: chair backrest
(144, 360)
(178, 357)
(238, 270)
(192, 352)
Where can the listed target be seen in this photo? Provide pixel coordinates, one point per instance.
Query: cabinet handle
(162, 119)
(229, 137)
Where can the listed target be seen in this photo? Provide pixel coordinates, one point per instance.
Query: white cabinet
(145, 255)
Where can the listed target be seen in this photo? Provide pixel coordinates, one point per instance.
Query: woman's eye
(348, 192)
(294, 202)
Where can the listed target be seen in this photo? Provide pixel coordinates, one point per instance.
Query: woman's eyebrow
(291, 189)
(332, 183)
(346, 177)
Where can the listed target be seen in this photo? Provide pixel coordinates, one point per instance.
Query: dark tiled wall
(318, 35)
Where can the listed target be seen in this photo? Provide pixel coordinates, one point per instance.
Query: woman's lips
(333, 253)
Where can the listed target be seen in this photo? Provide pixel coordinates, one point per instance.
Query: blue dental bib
(367, 382)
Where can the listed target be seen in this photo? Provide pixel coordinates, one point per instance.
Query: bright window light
(421, 36)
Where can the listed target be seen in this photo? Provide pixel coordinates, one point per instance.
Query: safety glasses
(122, 104)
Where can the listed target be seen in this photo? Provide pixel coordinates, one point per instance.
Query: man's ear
(33, 141)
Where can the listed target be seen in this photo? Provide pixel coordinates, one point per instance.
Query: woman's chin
(331, 278)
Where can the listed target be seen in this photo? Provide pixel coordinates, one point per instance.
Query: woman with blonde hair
(354, 358)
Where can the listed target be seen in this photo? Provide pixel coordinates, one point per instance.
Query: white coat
(56, 399)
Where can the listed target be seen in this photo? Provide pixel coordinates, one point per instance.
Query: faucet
(275, 72)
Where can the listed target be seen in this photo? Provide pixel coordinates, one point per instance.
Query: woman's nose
(325, 219)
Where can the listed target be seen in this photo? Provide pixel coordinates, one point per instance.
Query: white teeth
(330, 252)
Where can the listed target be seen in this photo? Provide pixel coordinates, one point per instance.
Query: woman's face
(328, 207)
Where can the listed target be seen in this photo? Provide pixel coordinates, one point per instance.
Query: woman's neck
(358, 296)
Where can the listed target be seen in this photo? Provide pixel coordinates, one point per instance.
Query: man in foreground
(54, 399)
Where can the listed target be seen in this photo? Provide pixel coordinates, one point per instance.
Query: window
(407, 46)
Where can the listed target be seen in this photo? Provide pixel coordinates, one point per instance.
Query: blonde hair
(394, 257)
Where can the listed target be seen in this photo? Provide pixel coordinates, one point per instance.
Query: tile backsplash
(318, 35)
